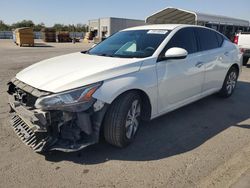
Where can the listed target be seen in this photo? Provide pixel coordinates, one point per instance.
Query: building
(226, 25)
(104, 27)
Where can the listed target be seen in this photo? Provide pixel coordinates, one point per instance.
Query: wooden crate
(24, 36)
(64, 37)
(48, 35)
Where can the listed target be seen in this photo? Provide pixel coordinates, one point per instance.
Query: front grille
(24, 94)
(25, 98)
(27, 135)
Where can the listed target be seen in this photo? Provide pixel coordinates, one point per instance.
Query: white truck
(242, 39)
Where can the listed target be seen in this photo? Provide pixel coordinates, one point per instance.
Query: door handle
(199, 64)
(226, 53)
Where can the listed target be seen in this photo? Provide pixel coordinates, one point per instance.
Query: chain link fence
(38, 35)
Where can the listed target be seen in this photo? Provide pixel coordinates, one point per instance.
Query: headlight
(73, 100)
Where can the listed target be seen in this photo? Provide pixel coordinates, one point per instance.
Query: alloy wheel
(231, 82)
(132, 120)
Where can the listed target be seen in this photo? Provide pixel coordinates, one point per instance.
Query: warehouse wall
(94, 24)
(112, 25)
(118, 24)
(104, 23)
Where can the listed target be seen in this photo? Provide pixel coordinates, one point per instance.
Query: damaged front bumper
(52, 130)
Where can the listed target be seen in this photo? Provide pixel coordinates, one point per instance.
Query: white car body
(167, 84)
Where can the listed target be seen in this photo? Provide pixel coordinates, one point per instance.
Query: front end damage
(45, 130)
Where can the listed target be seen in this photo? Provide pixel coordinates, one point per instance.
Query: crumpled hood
(75, 70)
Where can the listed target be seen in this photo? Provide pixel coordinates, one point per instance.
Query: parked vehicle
(137, 74)
(242, 39)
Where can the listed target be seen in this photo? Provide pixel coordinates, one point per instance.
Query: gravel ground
(205, 144)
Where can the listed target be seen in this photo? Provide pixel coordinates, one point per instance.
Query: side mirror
(176, 53)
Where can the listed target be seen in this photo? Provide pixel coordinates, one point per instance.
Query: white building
(104, 27)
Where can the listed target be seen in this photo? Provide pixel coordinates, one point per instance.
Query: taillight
(236, 39)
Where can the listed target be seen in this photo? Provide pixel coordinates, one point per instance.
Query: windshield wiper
(106, 55)
(85, 52)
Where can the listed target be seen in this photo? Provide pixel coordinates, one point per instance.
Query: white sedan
(137, 74)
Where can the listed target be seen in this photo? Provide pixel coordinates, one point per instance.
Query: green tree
(4, 27)
(38, 27)
(24, 23)
(71, 27)
(58, 27)
(81, 27)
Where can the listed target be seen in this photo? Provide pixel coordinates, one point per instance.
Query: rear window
(220, 39)
(208, 39)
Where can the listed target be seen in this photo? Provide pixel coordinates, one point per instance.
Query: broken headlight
(74, 100)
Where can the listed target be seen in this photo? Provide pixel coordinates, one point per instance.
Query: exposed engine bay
(45, 130)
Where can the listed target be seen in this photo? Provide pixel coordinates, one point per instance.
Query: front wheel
(229, 83)
(123, 119)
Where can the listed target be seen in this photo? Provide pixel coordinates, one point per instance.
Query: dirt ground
(205, 144)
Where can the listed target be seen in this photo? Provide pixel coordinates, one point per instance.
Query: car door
(212, 57)
(179, 80)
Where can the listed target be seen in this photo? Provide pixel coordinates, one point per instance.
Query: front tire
(229, 83)
(123, 119)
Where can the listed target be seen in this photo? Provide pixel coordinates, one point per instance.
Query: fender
(144, 80)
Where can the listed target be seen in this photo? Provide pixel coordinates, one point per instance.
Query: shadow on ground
(37, 45)
(177, 132)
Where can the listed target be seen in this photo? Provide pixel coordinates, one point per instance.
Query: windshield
(131, 44)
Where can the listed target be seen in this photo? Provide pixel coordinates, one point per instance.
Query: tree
(71, 27)
(24, 23)
(81, 27)
(58, 27)
(4, 27)
(38, 27)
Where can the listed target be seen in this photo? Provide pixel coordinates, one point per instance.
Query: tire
(245, 60)
(121, 122)
(230, 83)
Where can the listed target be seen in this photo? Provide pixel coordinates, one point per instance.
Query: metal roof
(154, 27)
(180, 16)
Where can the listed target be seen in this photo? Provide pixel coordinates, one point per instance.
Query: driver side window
(185, 39)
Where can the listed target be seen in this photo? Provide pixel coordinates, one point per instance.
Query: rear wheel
(122, 119)
(229, 83)
(245, 60)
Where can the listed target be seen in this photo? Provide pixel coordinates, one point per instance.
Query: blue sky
(80, 11)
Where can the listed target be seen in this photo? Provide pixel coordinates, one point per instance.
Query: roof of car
(156, 26)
